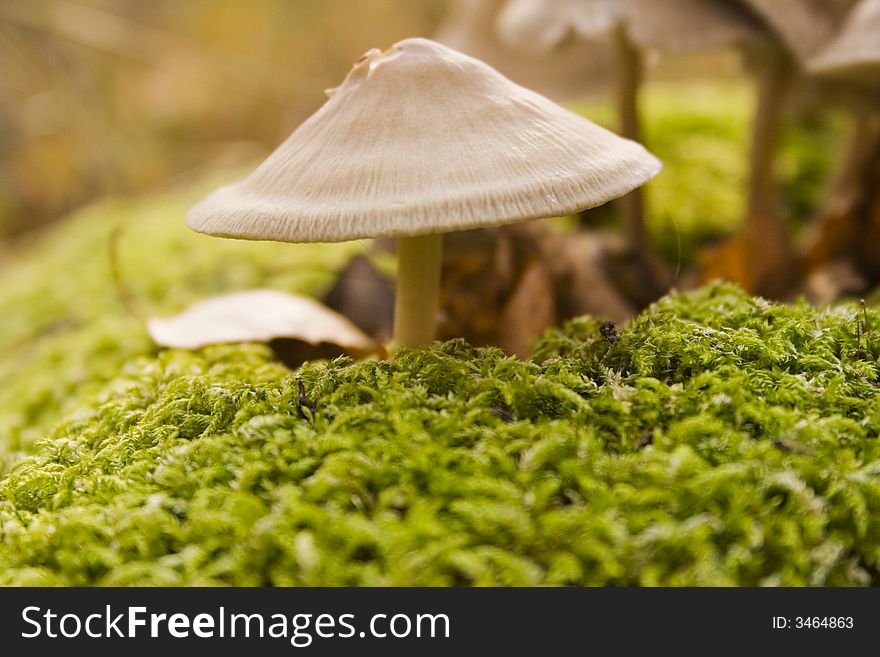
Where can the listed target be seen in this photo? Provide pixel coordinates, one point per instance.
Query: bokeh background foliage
(101, 96)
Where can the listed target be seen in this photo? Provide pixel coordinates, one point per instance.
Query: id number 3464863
(813, 622)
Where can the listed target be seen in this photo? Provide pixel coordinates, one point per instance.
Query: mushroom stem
(418, 289)
(629, 79)
(773, 77)
(767, 258)
(650, 276)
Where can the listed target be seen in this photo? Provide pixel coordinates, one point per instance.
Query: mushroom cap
(670, 25)
(855, 51)
(422, 139)
(804, 25)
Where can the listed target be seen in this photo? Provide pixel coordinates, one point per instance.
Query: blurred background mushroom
(633, 26)
(574, 71)
(762, 256)
(118, 97)
(846, 232)
(803, 26)
(855, 50)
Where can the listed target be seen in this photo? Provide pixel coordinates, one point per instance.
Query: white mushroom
(417, 141)
(804, 25)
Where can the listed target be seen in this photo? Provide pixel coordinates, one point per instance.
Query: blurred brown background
(116, 96)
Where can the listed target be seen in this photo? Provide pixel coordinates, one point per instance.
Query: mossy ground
(63, 329)
(721, 440)
(64, 333)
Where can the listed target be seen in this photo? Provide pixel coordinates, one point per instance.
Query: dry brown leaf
(833, 236)
(504, 286)
(854, 231)
(728, 261)
(258, 316)
(869, 254)
(760, 260)
(589, 290)
(848, 225)
(479, 272)
(530, 310)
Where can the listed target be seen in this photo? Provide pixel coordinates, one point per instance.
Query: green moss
(63, 330)
(721, 440)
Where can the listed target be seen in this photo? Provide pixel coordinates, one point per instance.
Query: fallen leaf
(833, 235)
(640, 275)
(530, 271)
(258, 316)
(760, 258)
(479, 272)
(846, 227)
(588, 289)
(530, 310)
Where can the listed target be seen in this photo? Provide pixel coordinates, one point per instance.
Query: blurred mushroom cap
(804, 25)
(422, 139)
(579, 68)
(855, 52)
(542, 25)
(670, 25)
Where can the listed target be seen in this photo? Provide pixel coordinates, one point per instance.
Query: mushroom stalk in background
(860, 147)
(773, 75)
(418, 141)
(629, 59)
(764, 240)
(761, 256)
(571, 72)
(852, 58)
(632, 206)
